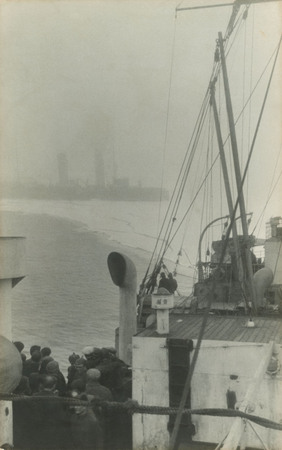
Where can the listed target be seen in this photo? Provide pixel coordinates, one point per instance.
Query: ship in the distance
(117, 189)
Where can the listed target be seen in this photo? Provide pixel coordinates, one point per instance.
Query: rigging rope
(171, 224)
(243, 90)
(201, 334)
(256, 85)
(167, 111)
(250, 90)
(258, 436)
(261, 113)
(268, 199)
(132, 407)
(205, 318)
(238, 24)
(194, 198)
(165, 142)
(184, 179)
(249, 98)
(184, 173)
(171, 213)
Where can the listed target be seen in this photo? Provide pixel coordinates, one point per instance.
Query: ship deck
(221, 328)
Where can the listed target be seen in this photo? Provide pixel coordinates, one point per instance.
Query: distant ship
(119, 190)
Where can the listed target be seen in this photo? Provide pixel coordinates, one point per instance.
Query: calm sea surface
(67, 300)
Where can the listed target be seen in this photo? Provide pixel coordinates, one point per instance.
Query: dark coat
(164, 283)
(172, 285)
(29, 367)
(86, 431)
(98, 391)
(48, 422)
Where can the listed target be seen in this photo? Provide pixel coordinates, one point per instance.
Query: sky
(125, 78)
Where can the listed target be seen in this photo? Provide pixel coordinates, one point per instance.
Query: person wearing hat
(79, 363)
(34, 348)
(93, 386)
(49, 417)
(79, 371)
(85, 428)
(53, 370)
(71, 369)
(44, 362)
(88, 350)
(20, 346)
(32, 364)
(46, 358)
(172, 283)
(93, 356)
(73, 357)
(110, 367)
(99, 392)
(45, 351)
(77, 387)
(164, 282)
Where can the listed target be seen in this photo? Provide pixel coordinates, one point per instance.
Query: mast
(234, 146)
(239, 266)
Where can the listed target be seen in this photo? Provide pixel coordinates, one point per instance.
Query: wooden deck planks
(264, 330)
(251, 334)
(226, 328)
(272, 333)
(237, 329)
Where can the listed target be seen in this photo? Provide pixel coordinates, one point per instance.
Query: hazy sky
(126, 77)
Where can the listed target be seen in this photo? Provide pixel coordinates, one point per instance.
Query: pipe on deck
(124, 275)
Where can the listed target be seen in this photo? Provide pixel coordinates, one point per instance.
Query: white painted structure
(12, 270)
(235, 365)
(273, 258)
(151, 388)
(222, 366)
(162, 303)
(219, 360)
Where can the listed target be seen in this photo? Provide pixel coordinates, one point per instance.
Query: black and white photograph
(140, 224)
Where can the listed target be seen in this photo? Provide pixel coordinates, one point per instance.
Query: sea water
(68, 300)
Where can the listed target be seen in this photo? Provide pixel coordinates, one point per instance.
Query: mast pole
(234, 146)
(239, 266)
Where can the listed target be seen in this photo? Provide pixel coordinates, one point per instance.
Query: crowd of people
(97, 375)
